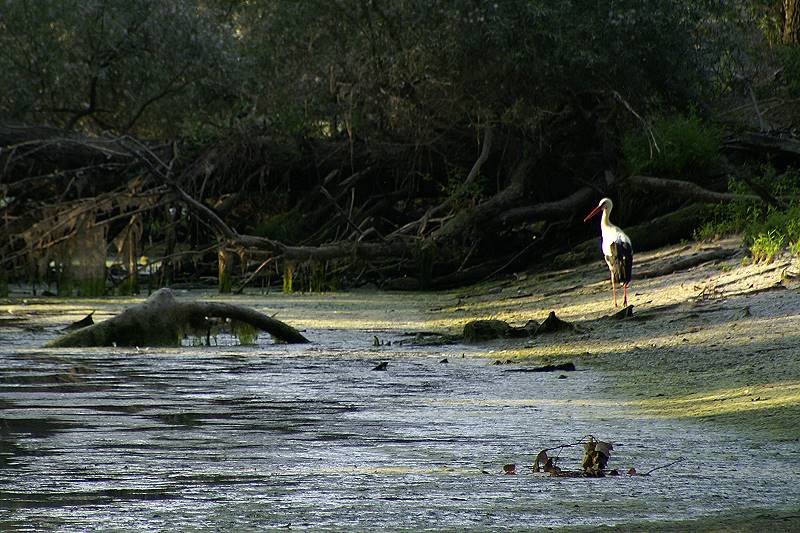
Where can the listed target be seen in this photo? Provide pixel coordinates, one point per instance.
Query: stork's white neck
(611, 233)
(605, 222)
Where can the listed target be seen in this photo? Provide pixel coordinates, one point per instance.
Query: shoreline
(716, 342)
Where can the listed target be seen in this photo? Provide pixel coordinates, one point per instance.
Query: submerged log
(484, 330)
(569, 366)
(161, 320)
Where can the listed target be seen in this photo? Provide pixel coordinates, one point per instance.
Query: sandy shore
(718, 341)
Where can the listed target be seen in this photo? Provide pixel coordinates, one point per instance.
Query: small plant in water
(594, 463)
(247, 334)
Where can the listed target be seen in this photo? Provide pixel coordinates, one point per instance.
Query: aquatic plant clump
(594, 463)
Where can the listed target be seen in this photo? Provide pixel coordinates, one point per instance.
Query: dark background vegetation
(401, 143)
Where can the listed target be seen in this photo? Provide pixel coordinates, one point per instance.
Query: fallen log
(686, 189)
(766, 142)
(685, 263)
(692, 191)
(564, 207)
(161, 320)
(660, 231)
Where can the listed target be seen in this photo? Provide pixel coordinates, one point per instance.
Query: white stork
(617, 249)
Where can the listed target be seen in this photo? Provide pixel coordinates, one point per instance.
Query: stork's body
(617, 249)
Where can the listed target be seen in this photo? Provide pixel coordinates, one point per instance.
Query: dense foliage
(372, 122)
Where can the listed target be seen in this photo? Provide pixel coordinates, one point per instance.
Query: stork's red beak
(593, 213)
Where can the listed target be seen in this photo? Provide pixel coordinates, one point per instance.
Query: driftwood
(161, 320)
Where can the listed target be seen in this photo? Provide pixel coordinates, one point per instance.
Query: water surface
(310, 437)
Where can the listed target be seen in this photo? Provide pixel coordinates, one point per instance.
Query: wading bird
(616, 249)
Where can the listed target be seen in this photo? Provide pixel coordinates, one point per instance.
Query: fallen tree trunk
(687, 189)
(53, 145)
(463, 225)
(660, 231)
(687, 262)
(692, 191)
(469, 242)
(548, 210)
(766, 142)
(161, 320)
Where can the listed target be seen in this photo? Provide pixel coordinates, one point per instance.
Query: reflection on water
(308, 436)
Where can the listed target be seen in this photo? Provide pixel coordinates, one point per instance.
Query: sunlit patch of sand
(724, 401)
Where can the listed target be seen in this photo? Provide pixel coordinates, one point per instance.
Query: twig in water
(676, 461)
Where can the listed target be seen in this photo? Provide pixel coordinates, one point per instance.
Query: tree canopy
(390, 68)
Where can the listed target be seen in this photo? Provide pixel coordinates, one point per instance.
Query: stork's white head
(605, 205)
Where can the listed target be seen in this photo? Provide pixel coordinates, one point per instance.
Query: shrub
(766, 246)
(766, 229)
(684, 145)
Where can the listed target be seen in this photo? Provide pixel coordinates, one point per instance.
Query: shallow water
(310, 437)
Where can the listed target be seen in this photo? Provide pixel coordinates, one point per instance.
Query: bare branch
(474, 172)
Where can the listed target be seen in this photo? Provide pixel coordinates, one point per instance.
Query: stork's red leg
(614, 289)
